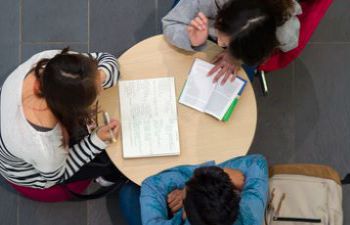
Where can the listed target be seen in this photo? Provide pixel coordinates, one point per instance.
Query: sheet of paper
(149, 118)
(199, 86)
(222, 97)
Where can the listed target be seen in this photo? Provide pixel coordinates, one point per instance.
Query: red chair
(313, 12)
(57, 193)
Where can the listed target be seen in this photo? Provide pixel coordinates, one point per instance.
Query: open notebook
(149, 118)
(203, 95)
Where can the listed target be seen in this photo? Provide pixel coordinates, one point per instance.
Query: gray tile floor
(306, 118)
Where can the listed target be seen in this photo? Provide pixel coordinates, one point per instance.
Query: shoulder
(256, 158)
(258, 164)
(246, 161)
(44, 54)
(161, 178)
(26, 66)
(295, 8)
(288, 33)
(169, 179)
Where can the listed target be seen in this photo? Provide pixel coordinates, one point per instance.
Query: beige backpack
(304, 194)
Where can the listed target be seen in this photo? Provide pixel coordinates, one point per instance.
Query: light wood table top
(202, 137)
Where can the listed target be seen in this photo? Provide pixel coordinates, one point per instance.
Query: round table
(202, 137)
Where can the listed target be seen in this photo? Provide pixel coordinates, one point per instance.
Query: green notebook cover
(234, 102)
(230, 110)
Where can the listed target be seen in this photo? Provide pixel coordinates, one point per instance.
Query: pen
(291, 219)
(107, 120)
(263, 83)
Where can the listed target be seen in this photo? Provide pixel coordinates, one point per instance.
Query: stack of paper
(149, 118)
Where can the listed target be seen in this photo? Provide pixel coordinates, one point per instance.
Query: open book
(149, 118)
(203, 95)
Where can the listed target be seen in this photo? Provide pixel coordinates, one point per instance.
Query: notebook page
(198, 87)
(149, 118)
(223, 96)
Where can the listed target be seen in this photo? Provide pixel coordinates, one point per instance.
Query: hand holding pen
(109, 131)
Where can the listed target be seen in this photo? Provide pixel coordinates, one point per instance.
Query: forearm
(110, 67)
(176, 21)
(154, 208)
(177, 36)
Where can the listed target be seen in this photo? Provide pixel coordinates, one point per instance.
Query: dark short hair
(211, 198)
(68, 84)
(251, 26)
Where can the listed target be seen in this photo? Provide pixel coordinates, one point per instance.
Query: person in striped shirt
(45, 106)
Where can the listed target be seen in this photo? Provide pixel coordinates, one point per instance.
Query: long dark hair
(68, 82)
(251, 26)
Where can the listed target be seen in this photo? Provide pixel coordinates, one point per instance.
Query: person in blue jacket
(232, 192)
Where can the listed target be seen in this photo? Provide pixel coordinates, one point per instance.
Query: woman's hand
(225, 66)
(198, 30)
(103, 132)
(175, 199)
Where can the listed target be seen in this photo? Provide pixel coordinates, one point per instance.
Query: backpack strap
(346, 179)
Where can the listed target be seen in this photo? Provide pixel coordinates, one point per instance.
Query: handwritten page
(149, 118)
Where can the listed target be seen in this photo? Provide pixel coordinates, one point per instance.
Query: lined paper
(149, 118)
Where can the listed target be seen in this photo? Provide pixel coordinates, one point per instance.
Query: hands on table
(224, 64)
(224, 67)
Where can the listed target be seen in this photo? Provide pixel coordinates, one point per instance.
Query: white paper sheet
(149, 118)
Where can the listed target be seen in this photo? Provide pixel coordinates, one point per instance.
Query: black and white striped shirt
(37, 159)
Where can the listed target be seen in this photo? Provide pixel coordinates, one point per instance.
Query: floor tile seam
(156, 4)
(293, 105)
(20, 25)
(88, 25)
(87, 212)
(52, 42)
(17, 209)
(328, 42)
